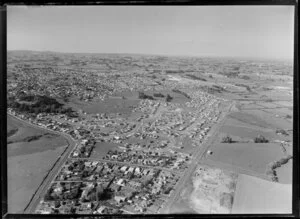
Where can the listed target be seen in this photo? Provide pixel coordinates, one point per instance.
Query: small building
(120, 199)
(121, 182)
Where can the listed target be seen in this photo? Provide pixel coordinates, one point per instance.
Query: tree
(260, 139)
(227, 139)
(70, 168)
(73, 210)
(168, 98)
(57, 204)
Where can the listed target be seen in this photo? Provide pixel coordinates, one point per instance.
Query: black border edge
(3, 129)
(156, 2)
(3, 104)
(296, 151)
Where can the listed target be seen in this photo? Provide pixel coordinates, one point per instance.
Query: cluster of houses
(147, 158)
(128, 188)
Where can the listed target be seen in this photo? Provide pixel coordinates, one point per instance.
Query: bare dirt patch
(213, 190)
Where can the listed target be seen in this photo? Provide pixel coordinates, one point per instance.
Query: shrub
(281, 131)
(168, 98)
(227, 139)
(245, 77)
(142, 95)
(288, 116)
(158, 95)
(261, 139)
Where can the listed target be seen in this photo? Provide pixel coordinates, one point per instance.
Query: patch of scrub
(213, 191)
(285, 173)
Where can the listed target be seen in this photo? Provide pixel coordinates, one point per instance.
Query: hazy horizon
(244, 32)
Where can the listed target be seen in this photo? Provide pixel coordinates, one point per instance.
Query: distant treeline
(142, 95)
(181, 92)
(230, 74)
(213, 89)
(174, 71)
(244, 85)
(196, 77)
(39, 104)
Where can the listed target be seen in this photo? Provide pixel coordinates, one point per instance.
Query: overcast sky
(238, 31)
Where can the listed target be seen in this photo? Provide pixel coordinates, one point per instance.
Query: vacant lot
(257, 196)
(101, 149)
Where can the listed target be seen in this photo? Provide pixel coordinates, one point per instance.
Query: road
(30, 208)
(198, 155)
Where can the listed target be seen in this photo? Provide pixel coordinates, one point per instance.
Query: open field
(25, 173)
(110, 105)
(246, 132)
(252, 156)
(28, 162)
(101, 149)
(23, 130)
(28, 140)
(257, 196)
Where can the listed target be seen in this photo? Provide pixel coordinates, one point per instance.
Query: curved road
(53, 171)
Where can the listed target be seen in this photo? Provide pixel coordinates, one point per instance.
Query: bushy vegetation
(174, 71)
(230, 74)
(260, 139)
(168, 98)
(214, 88)
(288, 116)
(282, 132)
(142, 95)
(269, 100)
(196, 77)
(276, 164)
(227, 139)
(182, 93)
(39, 104)
(158, 95)
(245, 77)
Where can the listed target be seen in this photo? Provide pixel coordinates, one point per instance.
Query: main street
(198, 155)
(30, 208)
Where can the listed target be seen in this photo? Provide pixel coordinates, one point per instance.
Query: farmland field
(28, 162)
(257, 196)
(250, 156)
